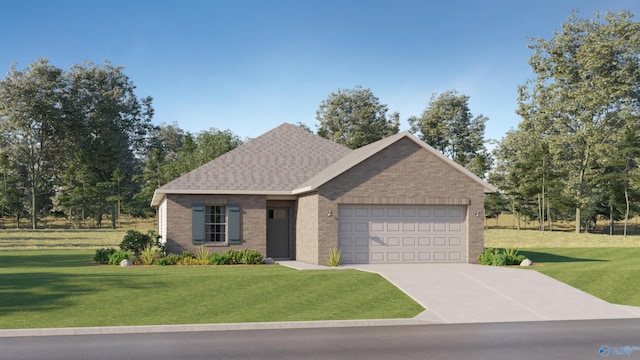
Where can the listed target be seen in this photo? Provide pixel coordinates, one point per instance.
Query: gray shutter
(197, 224)
(233, 223)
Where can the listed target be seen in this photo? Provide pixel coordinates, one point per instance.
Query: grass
(60, 288)
(609, 273)
(59, 239)
(602, 265)
(558, 239)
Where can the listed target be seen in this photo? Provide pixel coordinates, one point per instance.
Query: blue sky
(249, 66)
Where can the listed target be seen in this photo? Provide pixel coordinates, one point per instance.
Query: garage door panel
(424, 212)
(409, 227)
(345, 242)
(393, 241)
(393, 227)
(408, 241)
(345, 212)
(440, 256)
(362, 212)
(377, 212)
(396, 234)
(440, 241)
(440, 227)
(455, 241)
(361, 242)
(377, 227)
(409, 257)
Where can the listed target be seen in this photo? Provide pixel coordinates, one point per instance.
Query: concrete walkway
(464, 293)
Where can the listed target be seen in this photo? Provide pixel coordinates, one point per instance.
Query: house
(293, 195)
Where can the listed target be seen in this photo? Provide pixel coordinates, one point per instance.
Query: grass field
(59, 239)
(602, 265)
(609, 273)
(519, 239)
(62, 288)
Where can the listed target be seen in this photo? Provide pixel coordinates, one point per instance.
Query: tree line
(574, 155)
(80, 143)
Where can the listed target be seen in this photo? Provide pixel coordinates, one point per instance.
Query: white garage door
(401, 234)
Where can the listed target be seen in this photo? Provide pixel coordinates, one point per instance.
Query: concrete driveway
(465, 293)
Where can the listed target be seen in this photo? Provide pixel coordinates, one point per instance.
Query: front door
(278, 232)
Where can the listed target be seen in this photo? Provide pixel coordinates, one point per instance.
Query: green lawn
(602, 265)
(611, 274)
(62, 288)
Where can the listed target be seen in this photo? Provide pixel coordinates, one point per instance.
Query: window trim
(208, 234)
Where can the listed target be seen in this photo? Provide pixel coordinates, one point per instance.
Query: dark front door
(278, 232)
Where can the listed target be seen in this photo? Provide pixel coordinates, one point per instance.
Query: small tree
(136, 242)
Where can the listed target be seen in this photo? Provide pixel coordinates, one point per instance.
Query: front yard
(602, 265)
(63, 288)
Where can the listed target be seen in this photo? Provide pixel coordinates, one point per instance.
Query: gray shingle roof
(285, 161)
(276, 162)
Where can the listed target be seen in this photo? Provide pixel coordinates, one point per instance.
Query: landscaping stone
(268, 261)
(526, 262)
(125, 262)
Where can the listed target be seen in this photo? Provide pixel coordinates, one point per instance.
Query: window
(218, 224)
(215, 224)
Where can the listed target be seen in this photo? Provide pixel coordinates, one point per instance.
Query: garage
(402, 234)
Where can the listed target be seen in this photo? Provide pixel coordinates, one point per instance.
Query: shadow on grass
(540, 257)
(35, 260)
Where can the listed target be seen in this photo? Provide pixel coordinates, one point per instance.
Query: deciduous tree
(355, 117)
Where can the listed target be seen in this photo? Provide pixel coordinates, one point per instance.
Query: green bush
(497, 257)
(136, 242)
(162, 261)
(172, 259)
(117, 257)
(187, 255)
(219, 259)
(251, 257)
(499, 260)
(102, 255)
(235, 256)
(486, 258)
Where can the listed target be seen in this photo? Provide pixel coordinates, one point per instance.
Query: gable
(364, 153)
(404, 171)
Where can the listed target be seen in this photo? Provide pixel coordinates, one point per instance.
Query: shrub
(162, 261)
(117, 257)
(499, 259)
(135, 241)
(148, 256)
(335, 255)
(202, 253)
(219, 259)
(486, 258)
(186, 255)
(172, 259)
(496, 257)
(251, 257)
(235, 256)
(102, 255)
